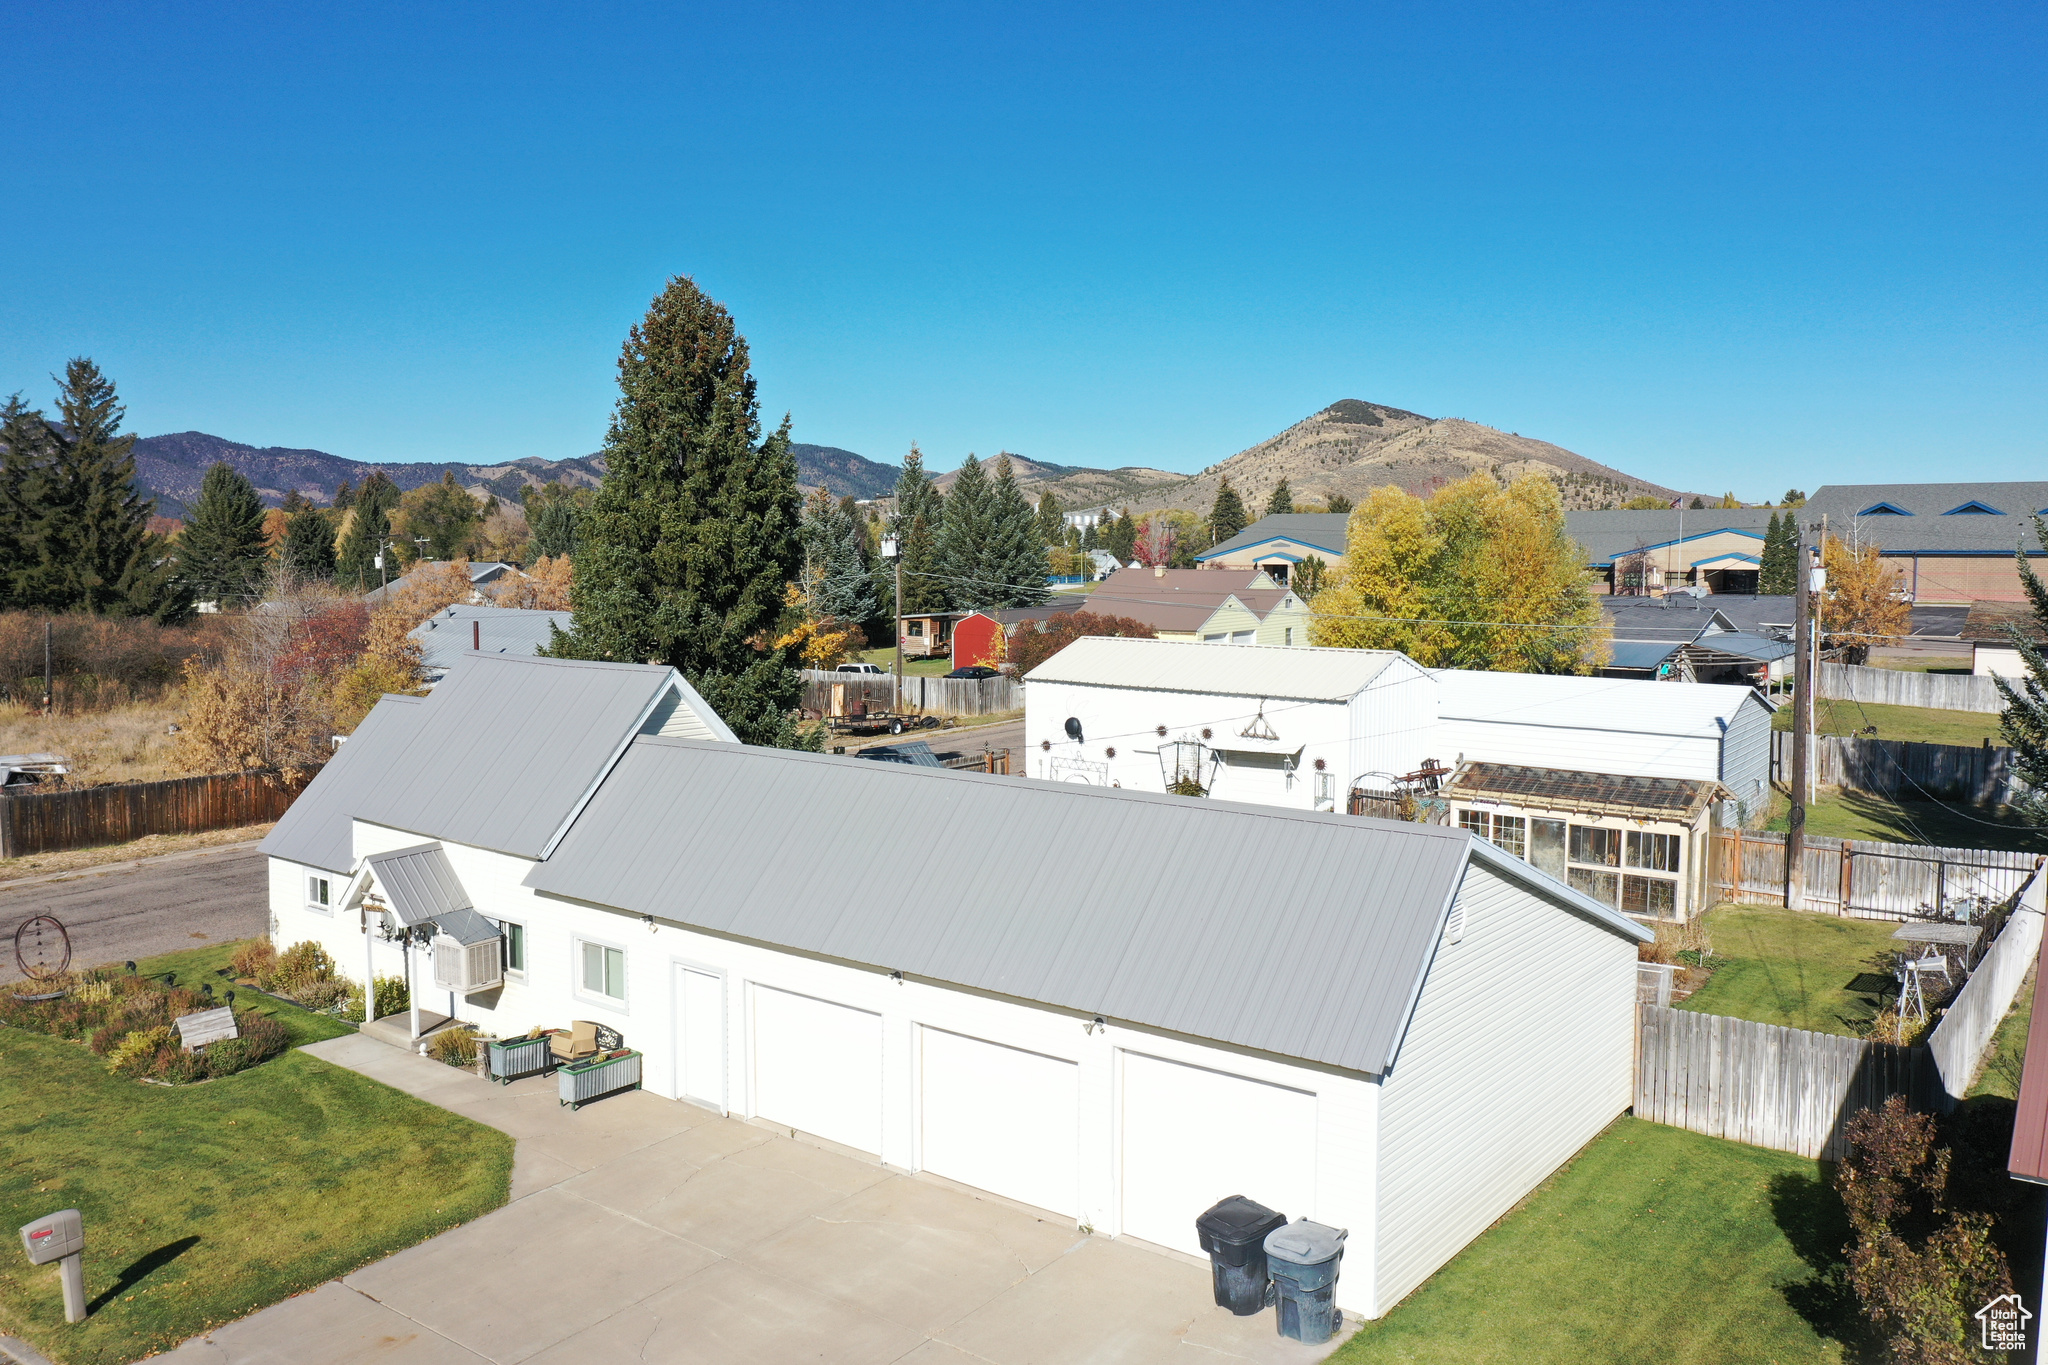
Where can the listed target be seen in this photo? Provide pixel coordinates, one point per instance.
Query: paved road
(156, 905)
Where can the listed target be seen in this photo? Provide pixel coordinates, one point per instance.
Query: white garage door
(1192, 1136)
(1000, 1119)
(818, 1067)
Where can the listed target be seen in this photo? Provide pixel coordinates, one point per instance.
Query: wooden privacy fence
(921, 696)
(1903, 769)
(43, 822)
(1769, 1086)
(1867, 879)
(1897, 687)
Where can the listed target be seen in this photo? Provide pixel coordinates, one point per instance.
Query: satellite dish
(1074, 729)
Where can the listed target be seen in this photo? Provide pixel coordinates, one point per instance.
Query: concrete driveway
(640, 1229)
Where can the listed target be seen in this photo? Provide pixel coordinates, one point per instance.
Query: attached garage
(1000, 1118)
(1191, 1135)
(818, 1067)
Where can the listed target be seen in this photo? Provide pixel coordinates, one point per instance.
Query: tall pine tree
(1778, 572)
(964, 538)
(221, 553)
(2024, 723)
(1281, 500)
(1014, 558)
(1227, 514)
(919, 510)
(688, 546)
(1121, 537)
(1052, 521)
(308, 548)
(363, 538)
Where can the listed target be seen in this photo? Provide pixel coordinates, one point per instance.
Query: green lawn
(1918, 723)
(1799, 969)
(1948, 663)
(912, 668)
(2003, 1060)
(1654, 1244)
(203, 1203)
(1859, 815)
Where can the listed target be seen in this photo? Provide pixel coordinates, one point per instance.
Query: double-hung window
(602, 970)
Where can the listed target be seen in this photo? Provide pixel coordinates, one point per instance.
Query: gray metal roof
(1643, 654)
(455, 633)
(1297, 671)
(1324, 530)
(500, 756)
(1932, 525)
(1603, 535)
(1315, 947)
(917, 753)
(419, 883)
(315, 829)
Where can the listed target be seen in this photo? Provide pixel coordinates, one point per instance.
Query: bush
(136, 1053)
(391, 999)
(253, 959)
(321, 995)
(455, 1046)
(297, 967)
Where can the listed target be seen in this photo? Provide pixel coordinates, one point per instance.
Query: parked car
(975, 671)
(860, 668)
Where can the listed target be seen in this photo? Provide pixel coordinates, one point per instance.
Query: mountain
(1076, 485)
(1352, 447)
(842, 471)
(172, 467)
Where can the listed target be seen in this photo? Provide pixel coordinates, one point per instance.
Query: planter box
(511, 1058)
(581, 1082)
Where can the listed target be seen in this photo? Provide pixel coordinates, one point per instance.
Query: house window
(1219, 638)
(1656, 852)
(1290, 635)
(1599, 885)
(604, 969)
(318, 895)
(1474, 820)
(917, 628)
(1591, 844)
(515, 946)
(1509, 833)
(1646, 895)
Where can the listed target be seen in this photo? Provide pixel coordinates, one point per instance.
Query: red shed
(978, 638)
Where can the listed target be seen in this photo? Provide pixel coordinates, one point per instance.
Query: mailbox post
(61, 1237)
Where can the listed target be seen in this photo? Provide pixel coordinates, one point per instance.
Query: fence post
(1848, 866)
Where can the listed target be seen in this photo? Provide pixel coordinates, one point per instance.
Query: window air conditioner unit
(467, 967)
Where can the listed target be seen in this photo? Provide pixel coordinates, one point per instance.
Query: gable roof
(1298, 672)
(1324, 531)
(500, 756)
(448, 635)
(1182, 599)
(1131, 921)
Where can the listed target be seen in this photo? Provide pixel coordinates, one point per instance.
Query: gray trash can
(1303, 1257)
(1233, 1232)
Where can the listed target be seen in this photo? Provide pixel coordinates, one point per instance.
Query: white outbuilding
(1113, 1023)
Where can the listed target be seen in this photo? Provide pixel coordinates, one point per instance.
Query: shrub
(297, 967)
(253, 959)
(455, 1046)
(1032, 644)
(1889, 1026)
(136, 1053)
(391, 999)
(228, 1056)
(321, 995)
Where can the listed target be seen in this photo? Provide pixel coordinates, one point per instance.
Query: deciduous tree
(1032, 643)
(1862, 607)
(436, 520)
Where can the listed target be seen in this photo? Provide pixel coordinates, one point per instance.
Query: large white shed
(1112, 1027)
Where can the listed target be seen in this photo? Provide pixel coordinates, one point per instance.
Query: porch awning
(419, 883)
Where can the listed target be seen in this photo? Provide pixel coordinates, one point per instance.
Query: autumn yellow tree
(1476, 576)
(1864, 604)
(544, 587)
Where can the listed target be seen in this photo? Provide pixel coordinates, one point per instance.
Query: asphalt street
(131, 910)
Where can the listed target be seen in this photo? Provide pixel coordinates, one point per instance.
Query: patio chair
(579, 1042)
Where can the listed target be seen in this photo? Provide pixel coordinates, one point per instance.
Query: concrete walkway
(644, 1230)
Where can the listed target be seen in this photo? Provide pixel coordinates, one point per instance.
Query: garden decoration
(42, 948)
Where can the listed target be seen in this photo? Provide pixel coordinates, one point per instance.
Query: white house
(1295, 727)
(1120, 1033)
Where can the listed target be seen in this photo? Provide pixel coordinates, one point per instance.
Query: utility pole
(892, 548)
(49, 680)
(1805, 676)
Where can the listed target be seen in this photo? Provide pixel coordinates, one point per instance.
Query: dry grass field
(128, 743)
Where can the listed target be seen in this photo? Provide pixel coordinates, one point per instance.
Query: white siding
(1393, 726)
(1519, 1053)
(677, 719)
(1588, 749)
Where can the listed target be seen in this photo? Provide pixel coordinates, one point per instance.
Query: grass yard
(1653, 1244)
(203, 1203)
(1923, 663)
(1999, 1076)
(1921, 724)
(912, 668)
(1799, 969)
(1859, 815)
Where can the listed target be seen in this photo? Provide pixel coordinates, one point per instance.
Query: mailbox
(53, 1237)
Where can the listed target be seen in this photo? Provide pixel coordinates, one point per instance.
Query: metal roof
(1324, 530)
(1315, 948)
(501, 756)
(1606, 535)
(1626, 705)
(1234, 670)
(451, 634)
(1642, 653)
(1742, 645)
(1675, 798)
(419, 883)
(917, 753)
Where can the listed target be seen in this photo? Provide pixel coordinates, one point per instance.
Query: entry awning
(419, 883)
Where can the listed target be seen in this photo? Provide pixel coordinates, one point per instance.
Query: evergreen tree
(919, 510)
(1281, 500)
(295, 502)
(1697, 503)
(1014, 557)
(344, 497)
(1778, 573)
(308, 548)
(553, 520)
(1121, 537)
(1052, 520)
(691, 541)
(221, 553)
(1227, 515)
(2024, 722)
(836, 571)
(1091, 536)
(367, 527)
(964, 538)
(1337, 502)
(25, 461)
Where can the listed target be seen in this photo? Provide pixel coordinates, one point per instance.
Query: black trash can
(1234, 1234)
(1303, 1258)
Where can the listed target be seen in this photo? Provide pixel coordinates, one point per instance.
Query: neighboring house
(1372, 719)
(926, 634)
(1638, 844)
(1703, 732)
(1116, 1035)
(1296, 728)
(1215, 607)
(1686, 638)
(1278, 542)
(482, 574)
(1992, 653)
(453, 633)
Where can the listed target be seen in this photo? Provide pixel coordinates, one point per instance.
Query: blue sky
(1746, 247)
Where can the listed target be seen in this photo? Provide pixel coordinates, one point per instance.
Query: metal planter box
(512, 1058)
(581, 1082)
